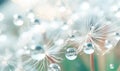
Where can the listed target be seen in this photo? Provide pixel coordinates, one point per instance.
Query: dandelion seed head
(93, 28)
(43, 51)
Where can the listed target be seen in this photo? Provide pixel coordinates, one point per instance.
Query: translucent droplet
(1, 17)
(71, 54)
(111, 66)
(18, 20)
(35, 21)
(88, 48)
(74, 35)
(37, 52)
(117, 36)
(54, 67)
(108, 44)
(30, 15)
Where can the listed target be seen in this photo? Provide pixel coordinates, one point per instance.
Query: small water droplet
(108, 44)
(18, 20)
(35, 21)
(88, 48)
(54, 67)
(30, 14)
(111, 66)
(117, 36)
(37, 52)
(71, 54)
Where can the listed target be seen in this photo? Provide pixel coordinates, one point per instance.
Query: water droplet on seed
(71, 54)
(54, 67)
(18, 20)
(108, 44)
(88, 48)
(30, 15)
(37, 52)
(117, 36)
(35, 21)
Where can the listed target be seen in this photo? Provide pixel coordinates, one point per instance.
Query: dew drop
(18, 20)
(30, 14)
(35, 21)
(117, 36)
(88, 48)
(37, 52)
(54, 67)
(71, 54)
(108, 44)
(111, 66)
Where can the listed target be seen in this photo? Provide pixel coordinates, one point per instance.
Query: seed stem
(92, 62)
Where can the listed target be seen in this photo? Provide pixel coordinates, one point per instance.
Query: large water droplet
(54, 67)
(108, 44)
(18, 20)
(37, 52)
(71, 54)
(88, 48)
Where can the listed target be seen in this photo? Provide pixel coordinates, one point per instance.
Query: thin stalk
(92, 62)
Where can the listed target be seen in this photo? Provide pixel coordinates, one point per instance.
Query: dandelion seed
(93, 28)
(43, 52)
